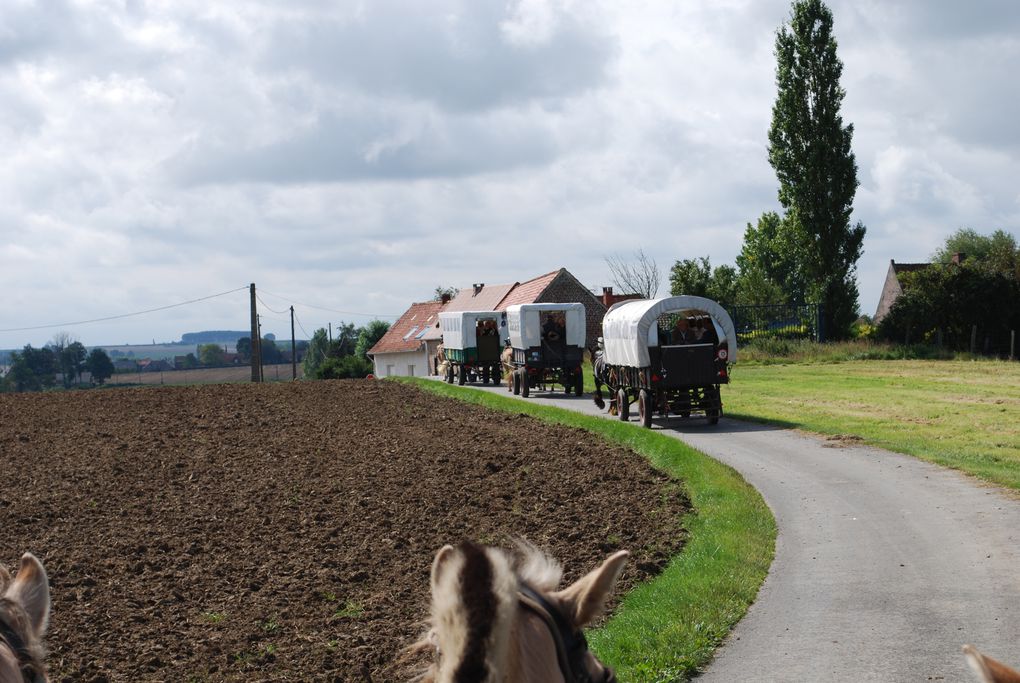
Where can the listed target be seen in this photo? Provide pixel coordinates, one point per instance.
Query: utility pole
(254, 337)
(293, 347)
(331, 334)
(262, 377)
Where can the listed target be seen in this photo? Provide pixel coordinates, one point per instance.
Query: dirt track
(284, 532)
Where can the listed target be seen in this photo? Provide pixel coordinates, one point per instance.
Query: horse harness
(570, 642)
(31, 670)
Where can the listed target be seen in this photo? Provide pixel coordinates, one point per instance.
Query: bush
(348, 367)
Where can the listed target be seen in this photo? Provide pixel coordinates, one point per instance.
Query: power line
(284, 311)
(124, 315)
(331, 310)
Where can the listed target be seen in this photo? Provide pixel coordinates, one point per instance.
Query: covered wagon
(548, 346)
(670, 355)
(472, 341)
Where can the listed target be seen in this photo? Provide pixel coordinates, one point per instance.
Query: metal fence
(777, 321)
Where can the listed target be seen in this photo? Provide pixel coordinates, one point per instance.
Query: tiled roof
(403, 335)
(485, 300)
(529, 291)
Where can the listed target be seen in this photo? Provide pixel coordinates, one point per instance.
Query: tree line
(33, 369)
(346, 354)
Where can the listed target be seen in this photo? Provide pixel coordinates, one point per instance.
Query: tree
(72, 360)
(318, 351)
(210, 354)
(810, 150)
(99, 365)
(772, 253)
(42, 363)
(640, 276)
(444, 291)
(271, 355)
(698, 278)
(347, 367)
(997, 252)
(369, 335)
(243, 349)
(345, 340)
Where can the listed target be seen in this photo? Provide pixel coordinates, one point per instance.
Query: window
(410, 370)
(389, 370)
(408, 335)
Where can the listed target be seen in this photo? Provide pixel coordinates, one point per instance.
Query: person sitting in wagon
(554, 328)
(682, 333)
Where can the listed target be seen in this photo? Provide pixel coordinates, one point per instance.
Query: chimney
(478, 288)
(958, 257)
(445, 298)
(607, 296)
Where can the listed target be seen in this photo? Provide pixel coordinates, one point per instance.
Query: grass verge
(959, 414)
(666, 629)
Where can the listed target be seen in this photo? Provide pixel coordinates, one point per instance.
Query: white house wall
(400, 362)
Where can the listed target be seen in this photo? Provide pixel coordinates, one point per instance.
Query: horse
(603, 374)
(497, 617)
(506, 359)
(24, 615)
(987, 669)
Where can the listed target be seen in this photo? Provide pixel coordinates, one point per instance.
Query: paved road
(884, 565)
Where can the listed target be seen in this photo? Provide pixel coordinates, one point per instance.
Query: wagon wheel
(449, 374)
(713, 412)
(579, 383)
(497, 375)
(623, 404)
(485, 375)
(516, 375)
(645, 408)
(461, 375)
(525, 389)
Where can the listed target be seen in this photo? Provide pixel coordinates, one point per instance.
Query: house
(409, 347)
(404, 350)
(893, 287)
(559, 287)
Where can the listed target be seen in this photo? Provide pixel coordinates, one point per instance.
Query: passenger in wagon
(682, 332)
(554, 328)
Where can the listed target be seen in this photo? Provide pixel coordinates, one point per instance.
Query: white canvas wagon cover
(525, 323)
(629, 327)
(460, 327)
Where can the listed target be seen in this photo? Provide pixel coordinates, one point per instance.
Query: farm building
(409, 347)
(893, 287)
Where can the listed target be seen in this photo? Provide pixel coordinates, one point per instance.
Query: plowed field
(285, 531)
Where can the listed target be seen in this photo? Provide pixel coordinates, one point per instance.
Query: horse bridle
(31, 670)
(571, 644)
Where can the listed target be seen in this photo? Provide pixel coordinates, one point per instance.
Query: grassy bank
(961, 414)
(665, 629)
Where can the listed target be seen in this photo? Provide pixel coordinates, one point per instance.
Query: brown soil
(285, 532)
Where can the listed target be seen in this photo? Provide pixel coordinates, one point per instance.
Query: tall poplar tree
(809, 148)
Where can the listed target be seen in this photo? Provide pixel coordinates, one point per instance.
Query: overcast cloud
(352, 156)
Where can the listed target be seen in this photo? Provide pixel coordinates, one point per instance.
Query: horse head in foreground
(500, 617)
(24, 613)
(987, 669)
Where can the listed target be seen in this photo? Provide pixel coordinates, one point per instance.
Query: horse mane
(474, 605)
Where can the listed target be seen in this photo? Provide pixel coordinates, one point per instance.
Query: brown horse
(24, 614)
(499, 617)
(987, 669)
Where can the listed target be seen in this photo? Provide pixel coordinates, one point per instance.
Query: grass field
(272, 373)
(668, 628)
(961, 414)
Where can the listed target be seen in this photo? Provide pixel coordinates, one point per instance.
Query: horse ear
(987, 669)
(5, 578)
(584, 600)
(439, 564)
(31, 589)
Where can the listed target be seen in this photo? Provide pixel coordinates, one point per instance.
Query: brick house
(559, 287)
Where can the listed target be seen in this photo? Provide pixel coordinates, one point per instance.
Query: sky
(350, 157)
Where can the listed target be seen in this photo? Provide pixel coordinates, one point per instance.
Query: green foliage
(952, 299)
(997, 252)
(369, 335)
(348, 367)
(810, 150)
(697, 277)
(271, 355)
(210, 355)
(345, 338)
(317, 353)
(444, 291)
(765, 350)
(71, 360)
(99, 365)
(243, 349)
(770, 262)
